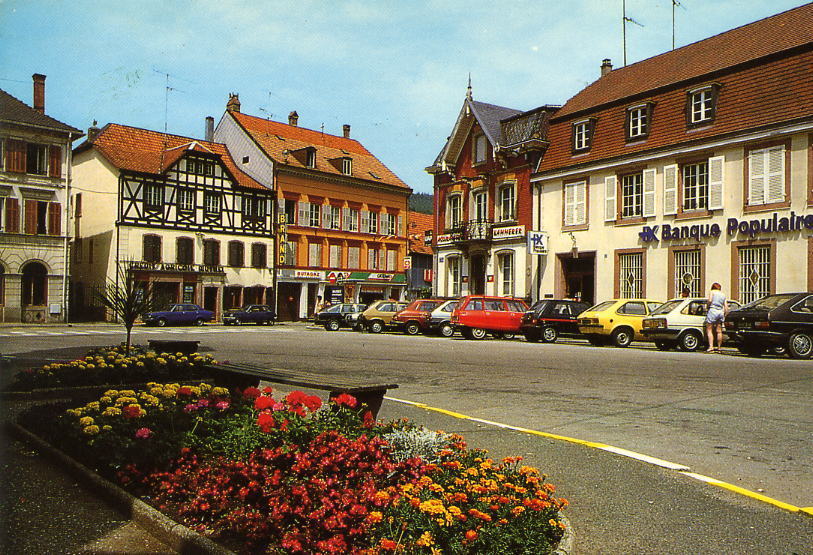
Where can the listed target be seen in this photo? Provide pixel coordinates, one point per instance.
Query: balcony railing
(477, 230)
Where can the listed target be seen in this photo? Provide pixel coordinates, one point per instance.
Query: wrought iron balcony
(477, 230)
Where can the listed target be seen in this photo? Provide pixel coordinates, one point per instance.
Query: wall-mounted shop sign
(381, 277)
(537, 242)
(449, 238)
(173, 267)
(498, 233)
(309, 274)
(334, 276)
(752, 228)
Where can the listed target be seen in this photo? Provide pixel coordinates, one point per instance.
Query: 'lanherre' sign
(752, 228)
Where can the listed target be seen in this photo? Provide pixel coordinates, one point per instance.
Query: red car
(415, 317)
(477, 315)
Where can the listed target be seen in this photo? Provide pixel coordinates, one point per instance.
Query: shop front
(298, 292)
(367, 287)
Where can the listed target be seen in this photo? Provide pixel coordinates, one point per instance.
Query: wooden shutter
(15, 156)
(400, 225)
(345, 218)
(580, 204)
(303, 216)
(55, 161)
(716, 178)
(610, 193)
(756, 177)
(649, 193)
(12, 215)
(670, 190)
(54, 218)
(31, 217)
(570, 204)
(775, 174)
(365, 221)
(326, 217)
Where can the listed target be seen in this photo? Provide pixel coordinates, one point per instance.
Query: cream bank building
(685, 169)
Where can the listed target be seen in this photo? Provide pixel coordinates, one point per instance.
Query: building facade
(688, 168)
(483, 200)
(35, 185)
(419, 264)
(341, 212)
(177, 213)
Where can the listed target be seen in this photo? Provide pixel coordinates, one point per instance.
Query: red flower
(346, 399)
(267, 390)
(262, 403)
(313, 402)
(184, 391)
(471, 535)
(388, 545)
(251, 393)
(131, 411)
(266, 422)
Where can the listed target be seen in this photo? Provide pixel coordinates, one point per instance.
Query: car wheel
(663, 345)
(199, 322)
(332, 325)
(532, 337)
(778, 350)
(800, 345)
(690, 341)
(161, 322)
(376, 327)
(412, 328)
(446, 330)
(622, 337)
(478, 333)
(508, 336)
(550, 334)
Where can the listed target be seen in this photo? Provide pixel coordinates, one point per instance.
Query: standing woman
(717, 310)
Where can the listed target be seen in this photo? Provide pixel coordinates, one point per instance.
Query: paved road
(745, 421)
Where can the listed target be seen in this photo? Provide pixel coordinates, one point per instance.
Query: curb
(177, 536)
(568, 540)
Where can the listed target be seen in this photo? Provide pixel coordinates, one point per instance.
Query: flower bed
(265, 474)
(111, 366)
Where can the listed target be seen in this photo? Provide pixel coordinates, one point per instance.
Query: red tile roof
(750, 42)
(418, 224)
(142, 150)
(276, 138)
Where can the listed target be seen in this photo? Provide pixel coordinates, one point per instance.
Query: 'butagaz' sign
(752, 228)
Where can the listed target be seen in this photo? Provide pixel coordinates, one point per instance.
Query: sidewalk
(617, 505)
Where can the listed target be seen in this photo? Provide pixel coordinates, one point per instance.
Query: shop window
(630, 275)
(506, 266)
(236, 254)
(754, 272)
(259, 255)
(185, 251)
(211, 252)
(152, 248)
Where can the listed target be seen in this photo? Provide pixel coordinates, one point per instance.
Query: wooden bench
(245, 375)
(184, 346)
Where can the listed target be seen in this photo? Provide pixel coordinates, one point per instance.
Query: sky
(396, 71)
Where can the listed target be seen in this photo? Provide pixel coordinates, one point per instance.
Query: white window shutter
(649, 193)
(670, 190)
(570, 193)
(326, 219)
(304, 217)
(365, 221)
(400, 225)
(610, 193)
(756, 177)
(716, 179)
(775, 176)
(345, 218)
(580, 212)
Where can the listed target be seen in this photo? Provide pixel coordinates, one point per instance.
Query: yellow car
(618, 321)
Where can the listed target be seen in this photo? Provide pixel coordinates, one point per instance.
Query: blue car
(252, 314)
(179, 315)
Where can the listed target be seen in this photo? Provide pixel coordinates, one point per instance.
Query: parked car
(440, 318)
(415, 317)
(547, 319)
(773, 322)
(178, 315)
(679, 323)
(378, 315)
(338, 315)
(617, 321)
(259, 314)
(478, 315)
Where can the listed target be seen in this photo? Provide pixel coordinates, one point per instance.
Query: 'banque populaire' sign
(752, 228)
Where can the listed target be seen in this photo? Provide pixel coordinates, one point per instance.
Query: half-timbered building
(177, 212)
(342, 212)
(35, 184)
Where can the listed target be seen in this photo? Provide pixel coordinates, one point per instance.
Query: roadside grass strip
(679, 468)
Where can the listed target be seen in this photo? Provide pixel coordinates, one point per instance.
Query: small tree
(128, 299)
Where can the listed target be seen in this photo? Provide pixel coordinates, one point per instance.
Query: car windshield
(601, 306)
(666, 307)
(770, 302)
(448, 307)
(539, 306)
(332, 309)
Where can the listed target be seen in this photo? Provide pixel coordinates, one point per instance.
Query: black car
(550, 318)
(251, 314)
(775, 321)
(338, 315)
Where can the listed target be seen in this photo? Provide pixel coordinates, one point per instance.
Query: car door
(514, 313)
(495, 315)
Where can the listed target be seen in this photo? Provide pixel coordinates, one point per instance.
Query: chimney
(210, 128)
(606, 66)
(233, 105)
(39, 92)
(293, 118)
(93, 132)
(346, 130)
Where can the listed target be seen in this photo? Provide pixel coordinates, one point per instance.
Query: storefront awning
(377, 277)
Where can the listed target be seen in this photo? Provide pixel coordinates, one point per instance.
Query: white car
(679, 323)
(439, 318)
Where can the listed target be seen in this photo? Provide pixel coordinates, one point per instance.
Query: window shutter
(54, 218)
(670, 192)
(570, 193)
(15, 156)
(31, 217)
(382, 259)
(580, 205)
(365, 221)
(400, 225)
(716, 177)
(303, 218)
(346, 219)
(649, 193)
(610, 192)
(775, 176)
(326, 219)
(12, 215)
(55, 161)
(756, 177)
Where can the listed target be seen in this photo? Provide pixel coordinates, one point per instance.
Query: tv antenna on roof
(167, 88)
(675, 3)
(624, 20)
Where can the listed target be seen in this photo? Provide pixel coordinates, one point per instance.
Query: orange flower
(471, 535)
(375, 517)
(388, 545)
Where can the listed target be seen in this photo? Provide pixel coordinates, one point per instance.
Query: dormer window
(310, 158)
(638, 121)
(701, 105)
(583, 134)
(347, 166)
(480, 149)
(200, 167)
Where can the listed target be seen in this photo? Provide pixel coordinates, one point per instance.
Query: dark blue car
(252, 314)
(179, 315)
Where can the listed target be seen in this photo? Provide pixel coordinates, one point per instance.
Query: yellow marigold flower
(106, 399)
(127, 393)
(161, 360)
(424, 481)
(93, 405)
(85, 421)
(220, 391)
(150, 355)
(74, 412)
(406, 488)
(528, 470)
(432, 506)
(437, 488)
(90, 366)
(111, 411)
(206, 388)
(111, 393)
(471, 472)
(195, 390)
(90, 430)
(107, 428)
(518, 510)
(375, 517)
(552, 522)
(454, 510)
